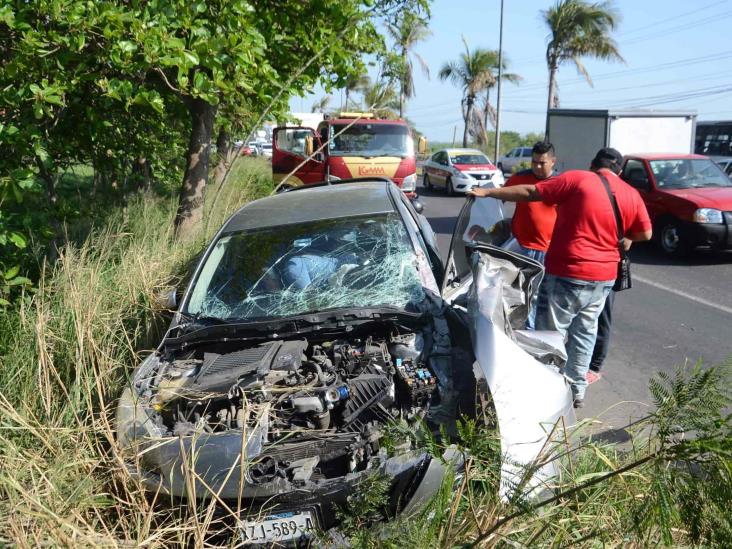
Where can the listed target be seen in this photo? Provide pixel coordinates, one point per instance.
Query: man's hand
(480, 191)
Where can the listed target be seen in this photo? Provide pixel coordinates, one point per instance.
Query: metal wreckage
(305, 336)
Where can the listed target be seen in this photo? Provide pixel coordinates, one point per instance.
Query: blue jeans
(538, 256)
(572, 307)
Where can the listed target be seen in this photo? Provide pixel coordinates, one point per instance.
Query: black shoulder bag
(622, 281)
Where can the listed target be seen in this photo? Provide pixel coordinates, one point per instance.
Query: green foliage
(111, 85)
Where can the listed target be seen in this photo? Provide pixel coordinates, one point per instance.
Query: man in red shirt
(583, 256)
(533, 222)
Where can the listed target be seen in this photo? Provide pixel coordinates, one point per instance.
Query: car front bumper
(717, 236)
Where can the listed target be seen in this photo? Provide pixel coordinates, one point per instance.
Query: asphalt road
(677, 312)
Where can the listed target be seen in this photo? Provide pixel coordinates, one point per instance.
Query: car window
(634, 173)
(469, 158)
(292, 269)
(687, 173)
(526, 151)
(435, 157)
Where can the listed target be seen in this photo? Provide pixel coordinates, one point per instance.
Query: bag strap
(618, 220)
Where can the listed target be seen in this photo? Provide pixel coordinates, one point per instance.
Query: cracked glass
(294, 269)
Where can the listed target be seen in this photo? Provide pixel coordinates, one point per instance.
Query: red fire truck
(352, 145)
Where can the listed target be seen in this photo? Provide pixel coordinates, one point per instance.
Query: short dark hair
(607, 158)
(543, 147)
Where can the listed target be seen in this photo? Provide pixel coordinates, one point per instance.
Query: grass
(67, 350)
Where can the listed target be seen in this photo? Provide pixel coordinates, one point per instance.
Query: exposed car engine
(319, 410)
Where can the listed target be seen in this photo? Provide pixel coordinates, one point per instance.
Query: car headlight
(409, 183)
(707, 215)
(132, 422)
(461, 175)
(332, 178)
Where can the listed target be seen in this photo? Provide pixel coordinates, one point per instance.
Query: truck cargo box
(577, 134)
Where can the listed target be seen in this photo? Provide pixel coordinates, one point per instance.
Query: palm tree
(489, 113)
(381, 99)
(473, 72)
(578, 29)
(356, 82)
(409, 29)
(321, 105)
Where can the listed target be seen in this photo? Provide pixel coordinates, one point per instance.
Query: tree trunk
(346, 109)
(190, 204)
(226, 154)
(49, 181)
(550, 99)
(468, 118)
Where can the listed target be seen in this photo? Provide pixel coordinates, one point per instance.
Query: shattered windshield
(370, 140)
(292, 269)
(686, 173)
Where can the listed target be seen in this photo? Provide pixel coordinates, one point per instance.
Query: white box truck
(577, 134)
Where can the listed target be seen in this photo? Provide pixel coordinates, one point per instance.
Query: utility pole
(500, 74)
(454, 131)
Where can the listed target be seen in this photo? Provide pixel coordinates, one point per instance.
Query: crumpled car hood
(533, 401)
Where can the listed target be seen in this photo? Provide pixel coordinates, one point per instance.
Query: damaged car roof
(348, 199)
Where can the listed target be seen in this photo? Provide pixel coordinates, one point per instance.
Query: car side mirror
(418, 206)
(422, 145)
(166, 299)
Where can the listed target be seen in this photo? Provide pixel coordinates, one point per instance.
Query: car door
(637, 174)
(289, 145)
(532, 399)
(438, 173)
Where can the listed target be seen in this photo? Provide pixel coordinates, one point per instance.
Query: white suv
(514, 157)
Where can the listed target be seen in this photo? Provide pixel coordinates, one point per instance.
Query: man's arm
(640, 236)
(517, 193)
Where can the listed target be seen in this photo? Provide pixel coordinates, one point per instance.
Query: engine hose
(324, 420)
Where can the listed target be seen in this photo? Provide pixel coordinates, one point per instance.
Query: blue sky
(678, 57)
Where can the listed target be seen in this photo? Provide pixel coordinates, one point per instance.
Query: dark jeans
(602, 343)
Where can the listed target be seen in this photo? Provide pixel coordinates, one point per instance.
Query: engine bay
(319, 410)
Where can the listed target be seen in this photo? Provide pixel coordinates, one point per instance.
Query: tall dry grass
(66, 352)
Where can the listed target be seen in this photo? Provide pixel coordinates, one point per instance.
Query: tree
(381, 99)
(578, 29)
(409, 29)
(321, 105)
(473, 72)
(489, 112)
(355, 82)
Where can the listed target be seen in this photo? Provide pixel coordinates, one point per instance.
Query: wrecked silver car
(316, 321)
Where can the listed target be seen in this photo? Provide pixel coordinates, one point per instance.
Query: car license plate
(279, 527)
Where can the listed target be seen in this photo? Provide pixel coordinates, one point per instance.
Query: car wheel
(427, 182)
(672, 240)
(449, 190)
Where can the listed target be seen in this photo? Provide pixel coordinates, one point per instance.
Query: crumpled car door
(532, 400)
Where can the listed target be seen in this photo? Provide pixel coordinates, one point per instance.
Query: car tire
(449, 189)
(672, 240)
(427, 182)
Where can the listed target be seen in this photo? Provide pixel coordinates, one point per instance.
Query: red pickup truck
(689, 199)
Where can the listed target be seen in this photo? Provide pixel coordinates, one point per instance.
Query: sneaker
(592, 377)
(579, 402)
